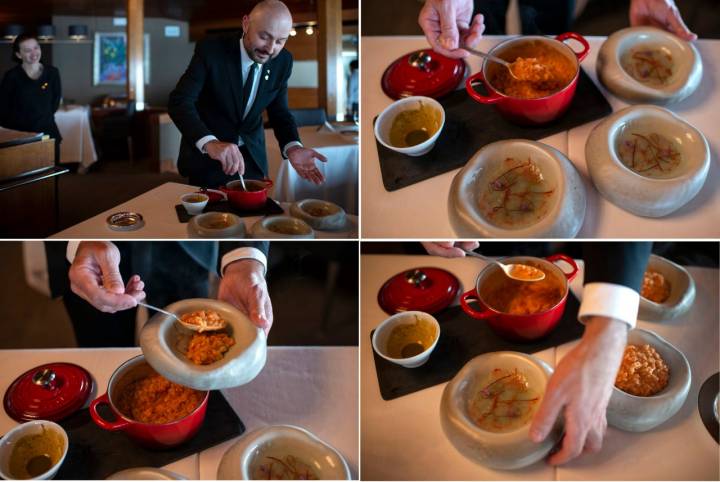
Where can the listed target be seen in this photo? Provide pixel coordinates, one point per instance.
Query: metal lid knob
(44, 378)
(420, 60)
(415, 277)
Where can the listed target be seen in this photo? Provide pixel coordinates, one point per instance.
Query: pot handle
(576, 36)
(465, 300)
(269, 182)
(101, 422)
(563, 257)
(493, 98)
(217, 191)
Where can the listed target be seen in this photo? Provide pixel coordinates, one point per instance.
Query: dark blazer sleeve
(6, 92)
(227, 246)
(621, 263)
(57, 266)
(281, 120)
(181, 104)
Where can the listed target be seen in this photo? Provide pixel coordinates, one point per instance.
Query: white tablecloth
(312, 387)
(402, 439)
(341, 170)
(420, 211)
(157, 207)
(77, 145)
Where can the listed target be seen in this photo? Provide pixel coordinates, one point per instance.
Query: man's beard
(262, 60)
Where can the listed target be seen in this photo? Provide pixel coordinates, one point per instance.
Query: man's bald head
(266, 29)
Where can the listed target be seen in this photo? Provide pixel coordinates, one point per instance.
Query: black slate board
(470, 125)
(706, 400)
(271, 207)
(461, 339)
(95, 453)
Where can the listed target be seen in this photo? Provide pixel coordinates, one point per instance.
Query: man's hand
(228, 155)
(303, 160)
(447, 27)
(95, 277)
(243, 286)
(662, 14)
(449, 249)
(582, 385)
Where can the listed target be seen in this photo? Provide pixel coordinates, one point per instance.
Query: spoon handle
(173, 315)
(242, 182)
(476, 255)
(487, 56)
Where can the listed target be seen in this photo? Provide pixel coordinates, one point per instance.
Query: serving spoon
(519, 272)
(498, 60)
(172, 315)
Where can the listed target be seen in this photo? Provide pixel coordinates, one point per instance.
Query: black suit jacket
(622, 263)
(208, 100)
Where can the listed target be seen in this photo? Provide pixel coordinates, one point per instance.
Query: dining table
(157, 206)
(402, 439)
(421, 210)
(307, 386)
(78, 145)
(340, 146)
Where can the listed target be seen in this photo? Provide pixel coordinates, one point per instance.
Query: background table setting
(402, 433)
(77, 145)
(420, 208)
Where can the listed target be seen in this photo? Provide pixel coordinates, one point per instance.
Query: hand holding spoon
(519, 272)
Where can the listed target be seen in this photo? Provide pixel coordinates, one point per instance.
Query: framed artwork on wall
(110, 58)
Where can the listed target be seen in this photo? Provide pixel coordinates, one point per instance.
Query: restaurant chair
(309, 117)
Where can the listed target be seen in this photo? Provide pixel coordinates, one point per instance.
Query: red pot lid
(419, 289)
(423, 72)
(48, 392)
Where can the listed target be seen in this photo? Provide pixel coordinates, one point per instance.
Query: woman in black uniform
(30, 93)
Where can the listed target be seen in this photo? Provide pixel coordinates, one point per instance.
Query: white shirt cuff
(71, 250)
(288, 146)
(611, 301)
(204, 140)
(243, 253)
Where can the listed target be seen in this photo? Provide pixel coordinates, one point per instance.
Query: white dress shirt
(246, 252)
(610, 300)
(245, 64)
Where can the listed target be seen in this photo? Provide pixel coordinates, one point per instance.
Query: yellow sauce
(406, 341)
(35, 454)
(412, 127)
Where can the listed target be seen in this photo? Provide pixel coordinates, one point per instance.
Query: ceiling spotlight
(310, 30)
(293, 32)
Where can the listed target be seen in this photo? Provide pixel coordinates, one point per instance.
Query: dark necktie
(247, 88)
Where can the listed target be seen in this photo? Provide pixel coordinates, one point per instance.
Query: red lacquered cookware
(254, 198)
(149, 435)
(423, 72)
(530, 111)
(521, 327)
(419, 289)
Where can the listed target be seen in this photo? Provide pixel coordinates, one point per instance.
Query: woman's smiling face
(30, 51)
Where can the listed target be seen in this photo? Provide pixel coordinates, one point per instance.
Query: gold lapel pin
(44, 86)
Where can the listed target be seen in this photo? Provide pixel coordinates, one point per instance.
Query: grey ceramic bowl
(164, 343)
(640, 414)
(325, 460)
(333, 218)
(682, 292)
(216, 225)
(145, 473)
(281, 227)
(683, 82)
(567, 207)
(634, 192)
(507, 450)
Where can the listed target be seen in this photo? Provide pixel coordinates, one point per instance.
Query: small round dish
(633, 63)
(145, 473)
(671, 173)
(216, 225)
(36, 427)
(164, 343)
(194, 203)
(321, 215)
(125, 221)
(682, 292)
(508, 450)
(384, 123)
(382, 338)
(550, 204)
(640, 414)
(281, 227)
(246, 458)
